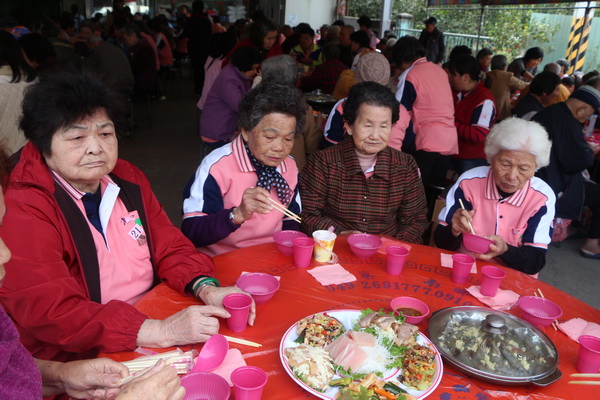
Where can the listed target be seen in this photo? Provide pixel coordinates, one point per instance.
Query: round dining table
(423, 277)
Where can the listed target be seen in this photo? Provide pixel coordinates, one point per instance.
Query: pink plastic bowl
(410, 302)
(476, 244)
(205, 386)
(283, 241)
(363, 244)
(539, 311)
(261, 286)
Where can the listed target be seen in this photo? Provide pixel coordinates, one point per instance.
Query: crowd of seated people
(405, 132)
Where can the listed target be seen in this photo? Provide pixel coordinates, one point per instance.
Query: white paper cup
(324, 240)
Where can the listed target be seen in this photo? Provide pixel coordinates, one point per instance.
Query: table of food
(346, 331)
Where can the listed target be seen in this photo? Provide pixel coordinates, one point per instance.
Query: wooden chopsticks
(242, 341)
(469, 222)
(585, 382)
(555, 322)
(280, 207)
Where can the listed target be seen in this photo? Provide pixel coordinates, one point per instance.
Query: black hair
(245, 57)
(132, 28)
(371, 93)
(37, 47)
(362, 38)
(533, 53)
(407, 49)
(461, 50)
(268, 98)
(305, 30)
(499, 61)
(197, 7)
(339, 23)
(568, 81)
(221, 43)
(544, 83)
(365, 21)
(11, 55)
(563, 62)
(484, 53)
(594, 82)
(586, 77)
(65, 96)
(331, 52)
(259, 29)
(465, 64)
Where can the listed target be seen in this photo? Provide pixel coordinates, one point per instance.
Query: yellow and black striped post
(578, 41)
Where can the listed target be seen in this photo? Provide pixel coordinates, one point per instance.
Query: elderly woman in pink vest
(504, 202)
(229, 204)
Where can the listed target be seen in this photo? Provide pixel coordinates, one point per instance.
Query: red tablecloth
(423, 277)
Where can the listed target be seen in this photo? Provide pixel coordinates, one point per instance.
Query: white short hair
(515, 134)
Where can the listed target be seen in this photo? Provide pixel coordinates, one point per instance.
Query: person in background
(323, 35)
(365, 24)
(110, 61)
(360, 45)
(220, 45)
(373, 66)
(87, 235)
(217, 27)
(263, 37)
(345, 44)
(569, 83)
(484, 58)
(570, 156)
(362, 184)
(504, 202)
(525, 68)
(502, 84)
(433, 42)
(219, 119)
(229, 202)
(197, 31)
(562, 93)
(542, 92)
(38, 52)
(143, 60)
(307, 53)
(475, 112)
(564, 67)
(15, 77)
(326, 75)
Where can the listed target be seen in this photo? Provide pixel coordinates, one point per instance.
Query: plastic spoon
(212, 354)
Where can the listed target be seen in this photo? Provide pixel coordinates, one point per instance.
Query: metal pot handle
(553, 377)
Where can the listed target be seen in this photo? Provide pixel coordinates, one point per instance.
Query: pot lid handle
(494, 324)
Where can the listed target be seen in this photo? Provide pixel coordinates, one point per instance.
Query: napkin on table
(503, 300)
(232, 360)
(331, 274)
(385, 242)
(576, 327)
(447, 262)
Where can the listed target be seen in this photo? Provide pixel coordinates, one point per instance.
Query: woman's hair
(407, 50)
(544, 83)
(221, 44)
(465, 64)
(533, 53)
(373, 94)
(245, 57)
(279, 69)
(499, 61)
(484, 53)
(516, 134)
(64, 97)
(37, 47)
(362, 38)
(458, 51)
(259, 29)
(11, 55)
(268, 98)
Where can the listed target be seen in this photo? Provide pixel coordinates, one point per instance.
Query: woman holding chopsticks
(504, 202)
(247, 190)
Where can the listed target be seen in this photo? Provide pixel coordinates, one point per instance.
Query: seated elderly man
(229, 205)
(361, 184)
(504, 202)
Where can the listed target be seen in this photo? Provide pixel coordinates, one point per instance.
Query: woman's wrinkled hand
(213, 296)
(96, 378)
(498, 248)
(461, 220)
(159, 383)
(254, 200)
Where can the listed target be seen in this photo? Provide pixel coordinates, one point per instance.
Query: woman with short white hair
(504, 201)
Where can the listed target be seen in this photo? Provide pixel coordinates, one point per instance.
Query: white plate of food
(357, 344)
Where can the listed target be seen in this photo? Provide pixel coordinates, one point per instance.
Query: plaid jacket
(335, 192)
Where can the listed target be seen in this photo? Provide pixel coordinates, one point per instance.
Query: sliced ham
(405, 333)
(362, 338)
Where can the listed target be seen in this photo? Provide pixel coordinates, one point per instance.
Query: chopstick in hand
(555, 322)
(280, 207)
(468, 222)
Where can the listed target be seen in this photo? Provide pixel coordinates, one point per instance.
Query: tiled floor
(169, 153)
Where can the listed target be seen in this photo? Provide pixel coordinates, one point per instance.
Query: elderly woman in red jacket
(89, 237)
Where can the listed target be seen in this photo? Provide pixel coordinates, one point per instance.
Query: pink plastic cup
(303, 249)
(589, 354)
(248, 383)
(238, 305)
(491, 277)
(461, 267)
(396, 256)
